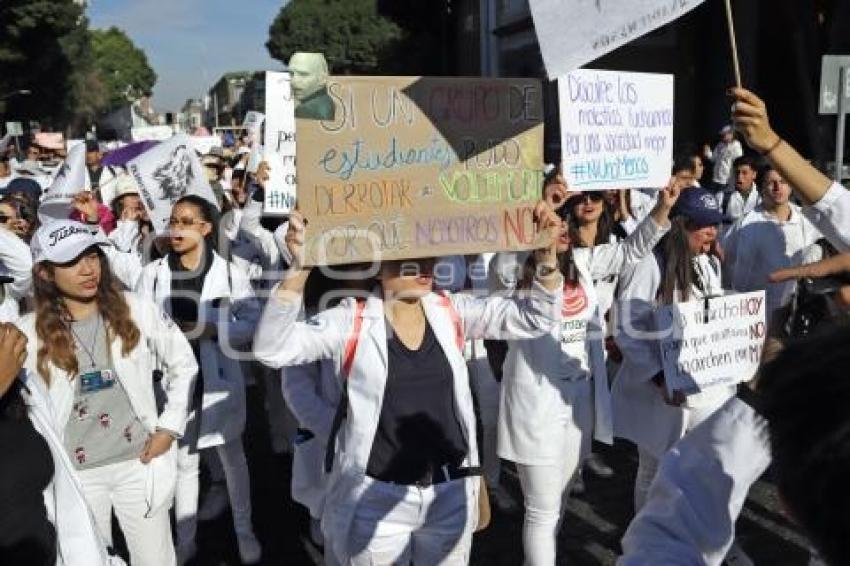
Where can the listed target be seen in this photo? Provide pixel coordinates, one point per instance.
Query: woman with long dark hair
(96, 349)
(555, 398)
(213, 303)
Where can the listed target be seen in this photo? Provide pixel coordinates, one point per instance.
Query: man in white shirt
(724, 155)
(773, 236)
(745, 196)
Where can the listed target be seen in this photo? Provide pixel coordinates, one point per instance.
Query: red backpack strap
(447, 304)
(353, 339)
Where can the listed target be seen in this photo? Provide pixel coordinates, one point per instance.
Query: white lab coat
(702, 484)
(641, 415)
(252, 248)
(223, 403)
(78, 541)
(736, 207)
(723, 156)
(312, 392)
(831, 215)
(534, 368)
(15, 262)
(759, 244)
(161, 346)
(283, 341)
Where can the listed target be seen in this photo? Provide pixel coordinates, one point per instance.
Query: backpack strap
(345, 370)
(446, 303)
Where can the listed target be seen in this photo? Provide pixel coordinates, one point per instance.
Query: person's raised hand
(749, 114)
(13, 354)
(295, 238)
(556, 192)
(87, 205)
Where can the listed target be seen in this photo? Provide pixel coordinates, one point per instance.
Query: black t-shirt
(418, 430)
(26, 468)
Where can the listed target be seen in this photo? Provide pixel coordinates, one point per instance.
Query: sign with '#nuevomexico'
(616, 129)
(718, 343)
(415, 167)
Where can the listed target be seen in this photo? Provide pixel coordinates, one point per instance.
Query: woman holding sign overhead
(403, 458)
(681, 269)
(555, 397)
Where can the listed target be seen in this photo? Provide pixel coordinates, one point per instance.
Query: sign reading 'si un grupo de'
(405, 167)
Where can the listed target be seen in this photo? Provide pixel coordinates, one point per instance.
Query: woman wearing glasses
(212, 302)
(555, 397)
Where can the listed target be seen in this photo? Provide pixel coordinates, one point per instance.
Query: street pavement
(590, 534)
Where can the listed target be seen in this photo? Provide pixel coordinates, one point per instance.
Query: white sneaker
(214, 504)
(502, 499)
(250, 550)
(737, 557)
(186, 552)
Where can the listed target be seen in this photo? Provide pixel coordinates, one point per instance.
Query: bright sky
(191, 43)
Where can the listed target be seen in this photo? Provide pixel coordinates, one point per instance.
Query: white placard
(14, 129)
(71, 179)
(279, 146)
(725, 350)
(616, 129)
(167, 172)
(573, 33)
(203, 144)
(151, 133)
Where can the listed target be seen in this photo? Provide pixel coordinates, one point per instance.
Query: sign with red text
(714, 343)
(616, 129)
(415, 167)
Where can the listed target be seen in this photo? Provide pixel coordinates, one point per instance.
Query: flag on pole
(573, 33)
(71, 179)
(165, 174)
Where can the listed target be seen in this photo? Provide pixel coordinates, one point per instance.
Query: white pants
(121, 487)
(545, 487)
(399, 525)
(648, 464)
(487, 391)
(235, 467)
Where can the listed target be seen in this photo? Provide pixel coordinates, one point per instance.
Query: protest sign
(71, 179)
(616, 129)
(573, 33)
(279, 146)
(416, 167)
(166, 173)
(151, 133)
(718, 343)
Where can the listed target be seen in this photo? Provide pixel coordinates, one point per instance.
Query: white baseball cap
(62, 241)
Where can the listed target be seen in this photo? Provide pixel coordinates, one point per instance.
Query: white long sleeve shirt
(759, 244)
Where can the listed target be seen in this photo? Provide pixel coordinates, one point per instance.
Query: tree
(122, 67)
(352, 35)
(34, 56)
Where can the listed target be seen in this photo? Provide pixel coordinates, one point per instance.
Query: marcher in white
(744, 196)
(15, 268)
(555, 395)
(681, 270)
(212, 302)
(774, 236)
(727, 150)
(403, 487)
(96, 349)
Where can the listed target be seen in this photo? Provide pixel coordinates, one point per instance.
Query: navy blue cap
(699, 206)
(24, 185)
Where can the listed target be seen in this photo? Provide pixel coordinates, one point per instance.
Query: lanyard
(89, 351)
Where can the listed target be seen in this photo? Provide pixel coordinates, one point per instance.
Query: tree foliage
(352, 35)
(123, 68)
(46, 47)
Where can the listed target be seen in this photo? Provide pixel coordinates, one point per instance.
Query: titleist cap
(62, 241)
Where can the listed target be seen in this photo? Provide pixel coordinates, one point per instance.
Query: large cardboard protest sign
(573, 33)
(166, 173)
(279, 146)
(714, 343)
(416, 167)
(616, 129)
(71, 179)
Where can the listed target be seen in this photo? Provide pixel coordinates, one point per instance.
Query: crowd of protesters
(403, 387)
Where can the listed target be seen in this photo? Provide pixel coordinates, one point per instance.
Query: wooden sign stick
(735, 62)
